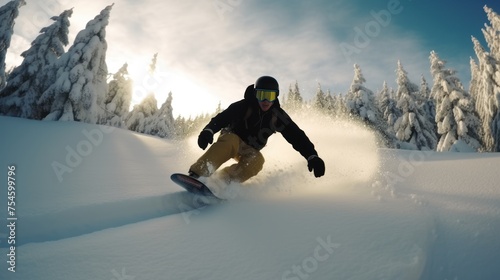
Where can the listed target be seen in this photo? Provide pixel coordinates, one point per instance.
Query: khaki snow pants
(229, 146)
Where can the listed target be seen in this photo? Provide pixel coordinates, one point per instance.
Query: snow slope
(97, 203)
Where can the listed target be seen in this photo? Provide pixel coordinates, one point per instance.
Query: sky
(210, 51)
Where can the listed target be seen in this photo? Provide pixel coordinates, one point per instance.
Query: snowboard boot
(194, 175)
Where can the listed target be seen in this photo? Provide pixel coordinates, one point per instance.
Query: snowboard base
(192, 185)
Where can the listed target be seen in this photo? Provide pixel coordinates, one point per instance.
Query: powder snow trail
(90, 218)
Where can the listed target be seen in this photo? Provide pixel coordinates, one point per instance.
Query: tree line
(443, 116)
(75, 85)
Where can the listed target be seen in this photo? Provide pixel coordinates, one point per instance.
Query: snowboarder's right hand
(206, 137)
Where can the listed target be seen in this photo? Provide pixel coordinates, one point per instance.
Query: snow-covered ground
(97, 203)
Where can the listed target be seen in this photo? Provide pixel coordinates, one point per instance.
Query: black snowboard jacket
(253, 126)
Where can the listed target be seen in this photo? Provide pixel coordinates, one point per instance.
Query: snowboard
(192, 185)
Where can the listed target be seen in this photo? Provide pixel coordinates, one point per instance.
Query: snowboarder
(245, 127)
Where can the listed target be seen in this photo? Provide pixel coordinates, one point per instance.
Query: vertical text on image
(11, 217)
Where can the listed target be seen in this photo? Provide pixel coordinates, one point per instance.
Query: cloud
(221, 46)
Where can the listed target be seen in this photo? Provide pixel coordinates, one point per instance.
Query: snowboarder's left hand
(206, 137)
(317, 164)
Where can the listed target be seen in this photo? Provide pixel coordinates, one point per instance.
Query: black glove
(317, 164)
(206, 137)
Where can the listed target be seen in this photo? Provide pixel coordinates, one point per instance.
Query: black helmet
(267, 82)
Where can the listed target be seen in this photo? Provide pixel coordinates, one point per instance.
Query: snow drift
(97, 203)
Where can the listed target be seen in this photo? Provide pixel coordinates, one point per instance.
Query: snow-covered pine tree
(387, 107)
(476, 87)
(361, 100)
(475, 94)
(485, 81)
(455, 116)
(474, 80)
(26, 82)
(329, 102)
(425, 91)
(412, 128)
(492, 36)
(8, 14)
(118, 98)
(361, 105)
(319, 101)
(492, 33)
(162, 123)
(79, 91)
(181, 126)
(428, 103)
(339, 106)
(140, 116)
(283, 97)
(294, 99)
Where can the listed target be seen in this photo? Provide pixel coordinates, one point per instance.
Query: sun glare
(190, 99)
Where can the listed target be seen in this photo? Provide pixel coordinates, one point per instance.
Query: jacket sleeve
(295, 136)
(226, 117)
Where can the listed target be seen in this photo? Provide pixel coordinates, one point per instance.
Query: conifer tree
(27, 81)
(8, 14)
(361, 100)
(485, 86)
(492, 33)
(412, 128)
(320, 102)
(294, 99)
(361, 105)
(477, 87)
(474, 81)
(455, 117)
(428, 103)
(329, 101)
(424, 92)
(162, 123)
(339, 106)
(388, 109)
(118, 98)
(141, 114)
(79, 91)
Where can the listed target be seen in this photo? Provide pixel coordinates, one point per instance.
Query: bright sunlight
(189, 97)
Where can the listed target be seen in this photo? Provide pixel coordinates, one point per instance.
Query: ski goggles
(265, 94)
